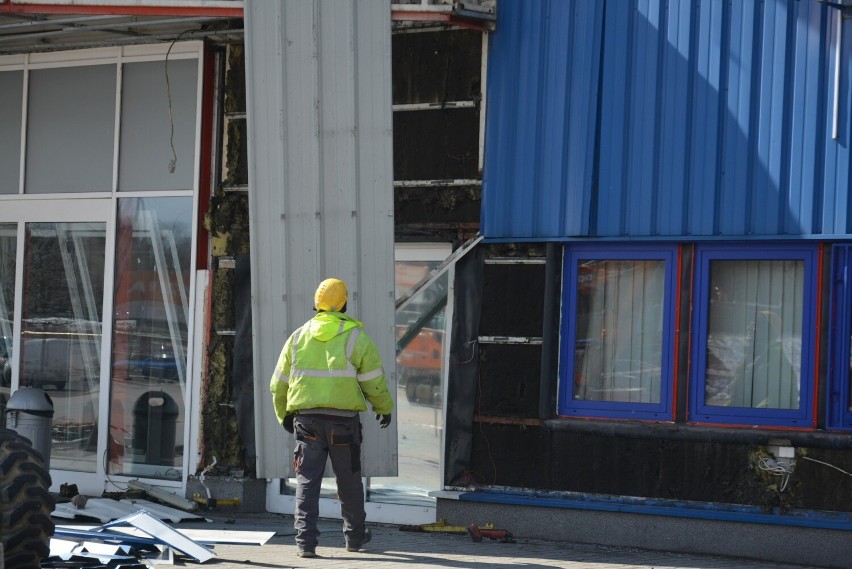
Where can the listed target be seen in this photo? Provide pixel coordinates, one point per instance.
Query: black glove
(288, 422)
(384, 420)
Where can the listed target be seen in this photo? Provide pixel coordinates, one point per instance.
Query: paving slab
(395, 549)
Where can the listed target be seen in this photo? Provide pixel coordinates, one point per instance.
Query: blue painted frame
(568, 406)
(839, 416)
(701, 413)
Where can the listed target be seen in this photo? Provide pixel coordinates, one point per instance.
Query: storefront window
(617, 349)
(61, 333)
(152, 277)
(755, 334)
(754, 342)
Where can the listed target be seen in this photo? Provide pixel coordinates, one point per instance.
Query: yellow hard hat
(331, 296)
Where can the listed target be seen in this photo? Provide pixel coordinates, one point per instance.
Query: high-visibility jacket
(329, 363)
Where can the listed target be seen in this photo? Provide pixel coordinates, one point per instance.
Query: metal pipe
(700, 433)
(434, 106)
(835, 127)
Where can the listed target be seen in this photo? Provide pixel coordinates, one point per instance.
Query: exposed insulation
(228, 223)
(509, 380)
(437, 204)
(436, 66)
(513, 300)
(217, 416)
(436, 145)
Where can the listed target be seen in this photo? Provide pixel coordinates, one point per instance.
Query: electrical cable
(106, 471)
(173, 162)
(827, 464)
(783, 469)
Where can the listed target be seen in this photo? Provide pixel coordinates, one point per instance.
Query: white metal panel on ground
(106, 509)
(203, 536)
(320, 188)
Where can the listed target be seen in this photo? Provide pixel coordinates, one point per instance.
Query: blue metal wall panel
(544, 111)
(666, 118)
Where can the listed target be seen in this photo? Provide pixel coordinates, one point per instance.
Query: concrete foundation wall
(812, 547)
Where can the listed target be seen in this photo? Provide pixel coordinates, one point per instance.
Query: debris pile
(139, 539)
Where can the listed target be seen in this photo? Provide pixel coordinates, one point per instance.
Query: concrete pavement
(395, 549)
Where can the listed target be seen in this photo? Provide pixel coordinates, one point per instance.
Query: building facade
(673, 178)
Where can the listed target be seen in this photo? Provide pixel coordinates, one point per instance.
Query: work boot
(306, 552)
(368, 535)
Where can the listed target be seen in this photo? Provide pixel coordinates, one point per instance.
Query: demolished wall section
(228, 224)
(513, 445)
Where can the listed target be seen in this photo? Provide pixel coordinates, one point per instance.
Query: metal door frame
(97, 210)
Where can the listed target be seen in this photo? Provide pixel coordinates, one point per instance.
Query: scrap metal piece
(165, 535)
(107, 509)
(164, 495)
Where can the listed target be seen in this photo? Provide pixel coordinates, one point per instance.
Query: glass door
(53, 257)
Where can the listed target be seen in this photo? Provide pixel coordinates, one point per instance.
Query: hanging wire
(173, 161)
(826, 464)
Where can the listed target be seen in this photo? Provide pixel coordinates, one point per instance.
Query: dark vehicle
(57, 362)
(161, 367)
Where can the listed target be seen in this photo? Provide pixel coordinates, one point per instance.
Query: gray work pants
(319, 437)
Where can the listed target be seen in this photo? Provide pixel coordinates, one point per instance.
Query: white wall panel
(320, 188)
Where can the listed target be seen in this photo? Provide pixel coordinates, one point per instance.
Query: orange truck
(419, 367)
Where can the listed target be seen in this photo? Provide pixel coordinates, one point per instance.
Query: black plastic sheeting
(242, 371)
(464, 367)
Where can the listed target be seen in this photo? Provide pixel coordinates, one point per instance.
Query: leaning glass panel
(152, 279)
(618, 346)
(754, 340)
(61, 333)
(420, 329)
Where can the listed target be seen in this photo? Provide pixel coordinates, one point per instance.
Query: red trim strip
(754, 427)
(205, 167)
(689, 327)
(676, 350)
(112, 9)
(815, 387)
(439, 18)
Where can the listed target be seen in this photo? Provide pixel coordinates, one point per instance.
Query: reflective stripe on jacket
(331, 363)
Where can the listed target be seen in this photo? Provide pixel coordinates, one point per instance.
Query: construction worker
(324, 373)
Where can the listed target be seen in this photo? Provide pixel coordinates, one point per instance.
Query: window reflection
(618, 347)
(152, 279)
(754, 340)
(420, 347)
(8, 247)
(61, 332)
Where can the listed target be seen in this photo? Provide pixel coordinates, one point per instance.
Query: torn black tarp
(464, 366)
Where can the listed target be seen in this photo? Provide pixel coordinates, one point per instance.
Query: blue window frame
(840, 355)
(618, 331)
(754, 334)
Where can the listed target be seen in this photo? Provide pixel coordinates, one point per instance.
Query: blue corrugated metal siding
(655, 118)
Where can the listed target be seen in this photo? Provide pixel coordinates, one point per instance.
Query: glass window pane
(158, 125)
(152, 278)
(754, 339)
(618, 347)
(8, 247)
(70, 129)
(61, 332)
(11, 97)
(419, 370)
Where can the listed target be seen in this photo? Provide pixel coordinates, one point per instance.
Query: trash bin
(154, 426)
(29, 412)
